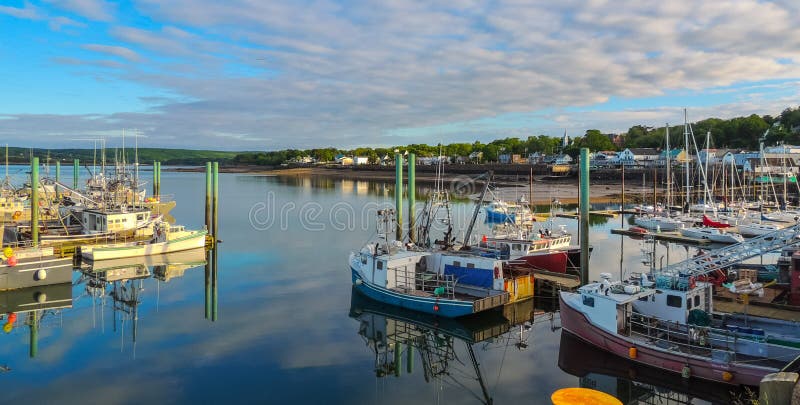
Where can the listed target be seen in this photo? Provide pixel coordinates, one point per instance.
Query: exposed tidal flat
(289, 329)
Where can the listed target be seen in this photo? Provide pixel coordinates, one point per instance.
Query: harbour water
(288, 328)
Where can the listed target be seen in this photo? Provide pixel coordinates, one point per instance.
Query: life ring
(691, 282)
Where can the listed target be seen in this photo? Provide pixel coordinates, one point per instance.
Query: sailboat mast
(686, 168)
(669, 176)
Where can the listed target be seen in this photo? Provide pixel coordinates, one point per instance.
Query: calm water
(289, 329)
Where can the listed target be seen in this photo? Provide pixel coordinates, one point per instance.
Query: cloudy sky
(255, 75)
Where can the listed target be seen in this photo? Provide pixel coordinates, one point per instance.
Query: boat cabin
(100, 221)
(515, 248)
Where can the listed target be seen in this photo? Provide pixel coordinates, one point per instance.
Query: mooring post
(412, 196)
(215, 203)
(35, 201)
(208, 197)
(208, 284)
(398, 194)
(155, 178)
(622, 199)
(214, 278)
(409, 358)
(584, 215)
(34, 335)
(398, 359)
(76, 164)
(159, 180)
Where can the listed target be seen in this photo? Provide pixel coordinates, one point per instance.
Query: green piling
(584, 215)
(159, 179)
(208, 284)
(34, 335)
(398, 358)
(155, 178)
(58, 176)
(76, 170)
(214, 301)
(35, 201)
(208, 197)
(412, 185)
(398, 194)
(409, 359)
(215, 206)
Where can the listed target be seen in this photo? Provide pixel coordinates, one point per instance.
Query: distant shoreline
(509, 185)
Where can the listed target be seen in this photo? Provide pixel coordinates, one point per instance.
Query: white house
(360, 160)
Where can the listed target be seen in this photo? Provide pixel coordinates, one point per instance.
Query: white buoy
(41, 274)
(41, 297)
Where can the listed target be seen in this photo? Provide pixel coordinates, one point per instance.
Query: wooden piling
(412, 185)
(584, 218)
(398, 194)
(208, 197)
(215, 201)
(34, 334)
(58, 177)
(76, 170)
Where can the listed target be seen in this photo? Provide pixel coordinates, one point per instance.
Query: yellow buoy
(8, 252)
(632, 352)
(8, 327)
(727, 375)
(576, 396)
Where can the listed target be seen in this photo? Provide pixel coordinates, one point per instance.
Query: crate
(748, 274)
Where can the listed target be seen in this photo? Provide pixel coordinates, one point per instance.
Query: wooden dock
(774, 312)
(675, 237)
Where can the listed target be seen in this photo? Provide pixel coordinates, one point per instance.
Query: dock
(601, 213)
(665, 236)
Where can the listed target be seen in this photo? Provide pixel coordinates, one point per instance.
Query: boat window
(363, 259)
(643, 298)
(517, 246)
(675, 301)
(470, 265)
(456, 263)
(380, 265)
(140, 217)
(689, 303)
(696, 300)
(588, 301)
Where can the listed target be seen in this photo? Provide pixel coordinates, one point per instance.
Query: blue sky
(255, 75)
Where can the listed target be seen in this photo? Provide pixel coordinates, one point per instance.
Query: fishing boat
(23, 267)
(445, 283)
(501, 211)
(666, 323)
(658, 222)
(166, 239)
(551, 252)
(712, 234)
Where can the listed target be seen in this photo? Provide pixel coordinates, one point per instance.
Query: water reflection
(30, 309)
(634, 383)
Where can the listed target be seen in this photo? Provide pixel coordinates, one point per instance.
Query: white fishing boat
(658, 222)
(166, 239)
(712, 234)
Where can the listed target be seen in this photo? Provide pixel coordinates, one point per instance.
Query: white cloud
(98, 10)
(119, 51)
(327, 73)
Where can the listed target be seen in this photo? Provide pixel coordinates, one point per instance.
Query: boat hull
(36, 271)
(575, 322)
(435, 306)
(106, 252)
(650, 223)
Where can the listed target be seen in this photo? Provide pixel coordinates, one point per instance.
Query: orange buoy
(573, 396)
(12, 317)
(12, 261)
(632, 352)
(727, 375)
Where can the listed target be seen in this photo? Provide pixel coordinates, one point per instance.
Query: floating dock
(665, 236)
(603, 213)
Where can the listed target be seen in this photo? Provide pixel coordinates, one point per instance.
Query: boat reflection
(121, 281)
(399, 337)
(634, 383)
(29, 309)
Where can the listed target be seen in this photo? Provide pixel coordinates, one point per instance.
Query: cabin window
(457, 263)
(675, 301)
(516, 246)
(588, 301)
(470, 265)
(689, 303)
(643, 298)
(697, 300)
(140, 217)
(363, 259)
(380, 265)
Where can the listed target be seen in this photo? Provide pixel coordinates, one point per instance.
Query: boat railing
(412, 280)
(691, 339)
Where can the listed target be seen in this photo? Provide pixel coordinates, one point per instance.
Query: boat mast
(669, 176)
(686, 159)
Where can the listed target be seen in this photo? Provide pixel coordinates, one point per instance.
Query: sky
(268, 75)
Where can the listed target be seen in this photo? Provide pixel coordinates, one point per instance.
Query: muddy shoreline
(509, 186)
